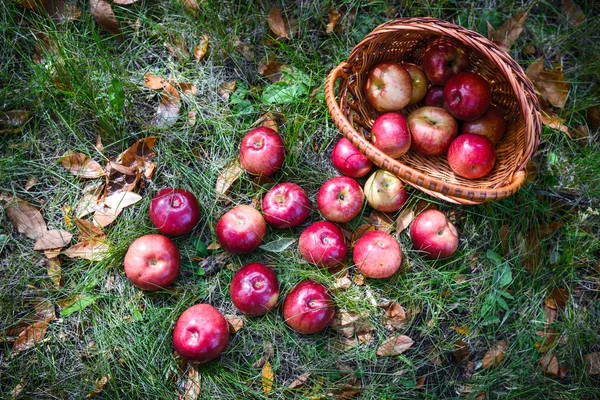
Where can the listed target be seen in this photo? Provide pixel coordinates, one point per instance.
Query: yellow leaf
(228, 177)
(509, 31)
(54, 272)
(495, 354)
(267, 378)
(278, 24)
(333, 18)
(394, 346)
(201, 49)
(99, 386)
(82, 166)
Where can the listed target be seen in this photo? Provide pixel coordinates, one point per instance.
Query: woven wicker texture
(512, 92)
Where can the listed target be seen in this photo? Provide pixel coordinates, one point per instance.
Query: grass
(92, 86)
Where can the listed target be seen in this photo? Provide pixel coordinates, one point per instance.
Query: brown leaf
(278, 24)
(244, 50)
(201, 49)
(31, 182)
(88, 204)
(572, 12)
(26, 219)
(235, 322)
(394, 346)
(495, 354)
(12, 121)
(333, 19)
(124, 2)
(168, 108)
(113, 206)
(463, 330)
(228, 177)
(188, 88)
(509, 31)
(349, 324)
(61, 11)
(381, 221)
(461, 351)
(88, 230)
(394, 316)
(177, 47)
(557, 299)
(342, 282)
(503, 233)
(54, 272)
(126, 169)
(99, 386)
(17, 390)
(555, 122)
(549, 83)
(193, 384)
(82, 166)
(33, 334)
(267, 378)
(44, 310)
(224, 91)
(548, 339)
(361, 231)
(409, 213)
(53, 239)
(268, 353)
(358, 279)
(191, 5)
(299, 381)
(154, 82)
(92, 249)
(105, 17)
(549, 364)
(270, 69)
(592, 363)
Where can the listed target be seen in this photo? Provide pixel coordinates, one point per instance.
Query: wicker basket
(512, 93)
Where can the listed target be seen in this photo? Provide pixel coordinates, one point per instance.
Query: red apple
(254, 289)
(442, 59)
(174, 211)
(388, 87)
(432, 130)
(262, 151)
(285, 205)
(491, 125)
(349, 160)
(419, 82)
(434, 235)
(241, 229)
(322, 244)
(467, 96)
(152, 262)
(340, 199)
(435, 96)
(385, 192)
(390, 134)
(377, 255)
(201, 333)
(471, 156)
(308, 308)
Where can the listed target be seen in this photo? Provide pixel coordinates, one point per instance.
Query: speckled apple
(340, 199)
(377, 255)
(241, 229)
(308, 308)
(286, 205)
(434, 235)
(174, 211)
(323, 244)
(152, 262)
(262, 151)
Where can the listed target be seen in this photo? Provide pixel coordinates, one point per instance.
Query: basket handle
(469, 195)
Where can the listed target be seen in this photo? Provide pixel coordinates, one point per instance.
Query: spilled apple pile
(456, 98)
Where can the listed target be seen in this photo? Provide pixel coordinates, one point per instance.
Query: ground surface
(527, 268)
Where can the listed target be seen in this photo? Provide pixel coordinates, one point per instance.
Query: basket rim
(522, 89)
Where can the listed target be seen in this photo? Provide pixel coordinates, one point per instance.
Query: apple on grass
(444, 58)
(390, 134)
(254, 289)
(385, 192)
(419, 82)
(388, 87)
(262, 151)
(241, 229)
(308, 308)
(432, 130)
(174, 211)
(491, 125)
(285, 205)
(322, 244)
(471, 156)
(201, 333)
(467, 96)
(340, 199)
(435, 96)
(434, 235)
(349, 160)
(377, 255)
(152, 262)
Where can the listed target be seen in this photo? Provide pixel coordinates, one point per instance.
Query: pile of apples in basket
(457, 102)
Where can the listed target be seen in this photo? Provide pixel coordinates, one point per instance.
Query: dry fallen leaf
(244, 50)
(201, 49)
(270, 69)
(193, 384)
(235, 322)
(54, 272)
(224, 90)
(342, 282)
(99, 386)
(31, 182)
(177, 47)
(191, 5)
(53, 239)
(394, 346)
(12, 121)
(549, 364)
(17, 390)
(550, 84)
(349, 324)
(113, 206)
(394, 317)
(572, 12)
(33, 334)
(188, 88)
(381, 221)
(228, 177)
(549, 337)
(91, 249)
(27, 219)
(299, 381)
(592, 363)
(267, 354)
(334, 16)
(105, 17)
(555, 122)
(267, 378)
(168, 108)
(495, 354)
(88, 230)
(461, 351)
(509, 31)
(278, 24)
(82, 166)
(154, 82)
(361, 231)
(358, 279)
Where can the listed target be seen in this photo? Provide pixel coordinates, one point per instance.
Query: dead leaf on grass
(28, 338)
(381, 221)
(82, 166)
(234, 322)
(177, 47)
(193, 384)
(572, 12)
(358, 279)
(408, 214)
(105, 17)
(201, 49)
(17, 390)
(555, 122)
(168, 108)
(495, 354)
(31, 182)
(342, 282)
(394, 346)
(592, 363)
(224, 90)
(113, 206)
(267, 378)
(278, 24)
(549, 364)
(54, 272)
(53, 239)
(92, 249)
(99, 386)
(270, 69)
(394, 317)
(88, 230)
(191, 5)
(509, 31)
(461, 351)
(550, 83)
(350, 324)
(188, 88)
(244, 50)
(12, 121)
(27, 219)
(300, 381)
(228, 177)
(154, 82)
(334, 16)
(124, 2)
(268, 352)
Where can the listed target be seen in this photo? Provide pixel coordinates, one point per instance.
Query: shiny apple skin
(390, 134)
(174, 212)
(467, 96)
(385, 191)
(471, 156)
(322, 244)
(443, 59)
(491, 125)
(254, 289)
(432, 130)
(419, 82)
(434, 235)
(435, 96)
(340, 199)
(308, 308)
(241, 229)
(377, 255)
(201, 333)
(388, 87)
(262, 151)
(152, 262)
(286, 205)
(349, 160)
